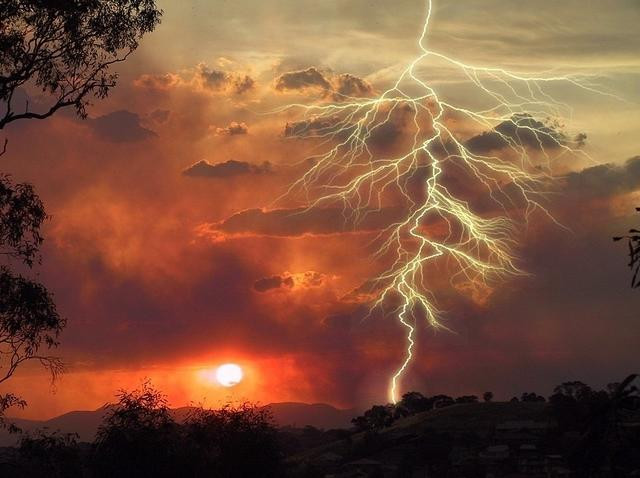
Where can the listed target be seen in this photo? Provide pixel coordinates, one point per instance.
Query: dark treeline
(141, 437)
(594, 432)
(572, 402)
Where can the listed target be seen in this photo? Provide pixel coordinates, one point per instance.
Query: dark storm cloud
(233, 129)
(149, 320)
(219, 81)
(338, 87)
(120, 127)
(381, 137)
(313, 127)
(350, 85)
(227, 169)
(518, 131)
(399, 124)
(273, 282)
(214, 79)
(301, 221)
(365, 292)
(287, 280)
(605, 179)
(243, 84)
(302, 79)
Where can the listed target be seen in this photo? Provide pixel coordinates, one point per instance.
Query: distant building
(530, 462)
(557, 467)
(495, 453)
(519, 432)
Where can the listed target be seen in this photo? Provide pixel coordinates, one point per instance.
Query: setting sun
(229, 374)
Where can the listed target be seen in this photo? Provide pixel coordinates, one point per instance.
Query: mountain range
(86, 423)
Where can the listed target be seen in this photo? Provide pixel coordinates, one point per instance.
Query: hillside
(470, 418)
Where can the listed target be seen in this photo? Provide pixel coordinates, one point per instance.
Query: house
(531, 462)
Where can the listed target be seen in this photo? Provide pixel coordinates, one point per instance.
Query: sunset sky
(168, 253)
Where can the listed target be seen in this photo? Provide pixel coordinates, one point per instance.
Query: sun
(229, 374)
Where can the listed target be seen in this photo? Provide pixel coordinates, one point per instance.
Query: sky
(170, 249)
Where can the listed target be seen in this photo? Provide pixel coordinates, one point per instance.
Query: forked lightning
(461, 200)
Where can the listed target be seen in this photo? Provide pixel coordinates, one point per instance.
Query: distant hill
(455, 419)
(319, 415)
(85, 423)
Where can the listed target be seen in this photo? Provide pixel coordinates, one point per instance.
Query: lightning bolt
(441, 227)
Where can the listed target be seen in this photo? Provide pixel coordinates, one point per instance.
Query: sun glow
(229, 374)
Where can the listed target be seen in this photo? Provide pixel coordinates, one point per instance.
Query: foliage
(376, 418)
(633, 241)
(138, 436)
(45, 455)
(597, 416)
(7, 401)
(487, 396)
(29, 321)
(66, 48)
(412, 403)
(532, 397)
(441, 401)
(232, 441)
(21, 217)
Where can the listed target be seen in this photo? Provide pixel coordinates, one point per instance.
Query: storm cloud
(120, 127)
(233, 129)
(337, 87)
(227, 169)
(301, 221)
(221, 81)
(605, 179)
(521, 130)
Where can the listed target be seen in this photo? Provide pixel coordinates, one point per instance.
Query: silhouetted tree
(602, 442)
(45, 455)
(467, 399)
(65, 49)
(487, 396)
(138, 437)
(441, 401)
(570, 404)
(29, 321)
(532, 397)
(7, 401)
(633, 241)
(376, 418)
(577, 390)
(232, 442)
(412, 403)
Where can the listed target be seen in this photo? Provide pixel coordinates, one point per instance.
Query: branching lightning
(470, 234)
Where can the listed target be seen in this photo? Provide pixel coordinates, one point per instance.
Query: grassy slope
(465, 417)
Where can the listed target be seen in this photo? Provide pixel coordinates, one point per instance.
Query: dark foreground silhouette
(576, 432)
